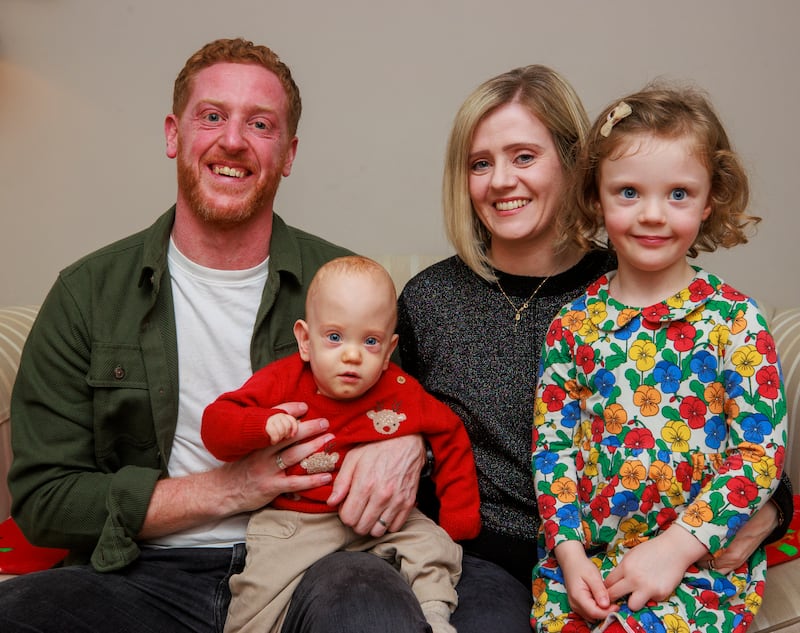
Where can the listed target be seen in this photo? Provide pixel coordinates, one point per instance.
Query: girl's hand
(652, 570)
(588, 596)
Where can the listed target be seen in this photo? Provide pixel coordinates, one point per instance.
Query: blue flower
(669, 375)
(735, 523)
(568, 516)
(733, 383)
(704, 365)
(629, 329)
(623, 503)
(651, 623)
(545, 462)
(604, 382)
(571, 414)
(755, 427)
(715, 432)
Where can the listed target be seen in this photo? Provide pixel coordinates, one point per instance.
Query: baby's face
(351, 335)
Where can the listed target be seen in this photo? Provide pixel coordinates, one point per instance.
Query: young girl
(659, 423)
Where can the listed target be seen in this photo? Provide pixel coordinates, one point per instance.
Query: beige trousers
(282, 544)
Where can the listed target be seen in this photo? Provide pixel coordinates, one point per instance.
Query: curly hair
(671, 112)
(237, 51)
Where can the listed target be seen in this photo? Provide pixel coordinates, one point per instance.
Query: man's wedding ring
(279, 461)
(383, 523)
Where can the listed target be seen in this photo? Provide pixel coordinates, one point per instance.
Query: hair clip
(615, 116)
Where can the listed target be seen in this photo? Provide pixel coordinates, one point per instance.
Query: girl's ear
(302, 336)
(707, 210)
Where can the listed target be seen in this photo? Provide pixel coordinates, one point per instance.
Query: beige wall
(85, 85)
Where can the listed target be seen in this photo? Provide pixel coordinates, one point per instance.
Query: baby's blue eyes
(334, 337)
(370, 341)
(678, 194)
(628, 193)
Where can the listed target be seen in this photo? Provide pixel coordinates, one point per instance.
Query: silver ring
(712, 563)
(383, 523)
(279, 461)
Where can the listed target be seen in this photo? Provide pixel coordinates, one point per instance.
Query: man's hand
(377, 484)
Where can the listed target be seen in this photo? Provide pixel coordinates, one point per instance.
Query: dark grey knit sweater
(457, 337)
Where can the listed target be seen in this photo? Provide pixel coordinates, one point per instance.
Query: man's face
(231, 143)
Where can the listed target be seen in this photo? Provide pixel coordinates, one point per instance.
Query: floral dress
(647, 417)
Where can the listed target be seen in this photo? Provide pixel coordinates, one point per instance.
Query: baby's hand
(281, 426)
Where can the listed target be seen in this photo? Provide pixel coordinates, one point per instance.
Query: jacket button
(119, 372)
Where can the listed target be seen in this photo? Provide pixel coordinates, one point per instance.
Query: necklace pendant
(518, 315)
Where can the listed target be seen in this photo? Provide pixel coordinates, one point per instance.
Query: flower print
(623, 333)
(693, 410)
(709, 599)
(733, 383)
(676, 491)
(678, 299)
(597, 312)
(677, 434)
(590, 467)
(632, 473)
(553, 397)
(550, 532)
(652, 315)
(643, 353)
(668, 375)
(673, 623)
(751, 452)
(604, 382)
(539, 410)
(716, 432)
(650, 496)
(639, 439)
(766, 345)
(731, 409)
(651, 624)
(661, 473)
(735, 522)
(720, 336)
(573, 320)
(714, 395)
(577, 391)
(547, 506)
(769, 382)
(698, 513)
(695, 315)
(753, 601)
(647, 398)
(570, 414)
(623, 503)
(682, 335)
(539, 597)
(615, 417)
(684, 474)
(555, 332)
(739, 323)
(598, 425)
(545, 462)
(729, 292)
(585, 489)
(700, 289)
(766, 471)
(755, 426)
(600, 508)
(564, 489)
(742, 491)
(625, 316)
(568, 516)
(704, 365)
(584, 358)
(666, 517)
(633, 529)
(746, 358)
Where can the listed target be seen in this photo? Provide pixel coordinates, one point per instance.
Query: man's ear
(171, 134)
(288, 160)
(302, 336)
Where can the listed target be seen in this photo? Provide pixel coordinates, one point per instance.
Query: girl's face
(654, 196)
(515, 176)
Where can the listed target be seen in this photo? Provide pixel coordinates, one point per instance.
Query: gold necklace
(519, 310)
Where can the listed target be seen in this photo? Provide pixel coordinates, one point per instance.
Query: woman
(471, 328)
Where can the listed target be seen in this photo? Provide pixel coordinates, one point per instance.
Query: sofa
(781, 608)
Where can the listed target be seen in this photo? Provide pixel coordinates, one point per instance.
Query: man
(134, 340)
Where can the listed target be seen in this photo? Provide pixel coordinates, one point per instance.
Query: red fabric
(788, 547)
(18, 556)
(234, 425)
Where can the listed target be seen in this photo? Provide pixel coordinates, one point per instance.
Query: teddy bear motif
(386, 421)
(320, 463)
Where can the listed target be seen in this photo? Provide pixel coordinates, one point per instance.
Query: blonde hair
(671, 112)
(355, 265)
(551, 99)
(237, 51)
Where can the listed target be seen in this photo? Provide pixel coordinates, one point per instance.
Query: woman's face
(515, 177)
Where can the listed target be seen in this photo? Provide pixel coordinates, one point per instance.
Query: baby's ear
(302, 336)
(391, 347)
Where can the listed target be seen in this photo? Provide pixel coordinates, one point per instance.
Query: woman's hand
(377, 484)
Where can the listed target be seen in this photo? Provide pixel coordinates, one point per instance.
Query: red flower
(729, 292)
(584, 358)
(693, 410)
(598, 425)
(555, 333)
(682, 334)
(547, 506)
(553, 397)
(700, 289)
(742, 491)
(585, 489)
(601, 508)
(665, 517)
(651, 315)
(766, 345)
(769, 383)
(640, 438)
(684, 473)
(575, 626)
(550, 531)
(709, 599)
(650, 495)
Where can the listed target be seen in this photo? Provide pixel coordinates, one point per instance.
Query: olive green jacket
(95, 404)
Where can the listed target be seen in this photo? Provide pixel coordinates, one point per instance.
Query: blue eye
(479, 165)
(525, 159)
(213, 117)
(334, 337)
(678, 194)
(629, 193)
(370, 341)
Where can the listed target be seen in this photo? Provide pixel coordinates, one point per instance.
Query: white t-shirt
(215, 312)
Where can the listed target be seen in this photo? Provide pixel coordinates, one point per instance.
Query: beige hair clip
(615, 116)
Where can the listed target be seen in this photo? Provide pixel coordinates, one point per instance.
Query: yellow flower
(720, 336)
(695, 315)
(589, 332)
(643, 352)
(673, 623)
(632, 473)
(753, 601)
(565, 489)
(714, 396)
(677, 433)
(697, 514)
(590, 467)
(675, 492)
(597, 312)
(746, 358)
(633, 530)
(647, 398)
(678, 299)
(615, 416)
(573, 320)
(539, 411)
(661, 473)
(766, 471)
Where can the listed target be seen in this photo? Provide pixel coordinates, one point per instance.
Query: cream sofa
(781, 611)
